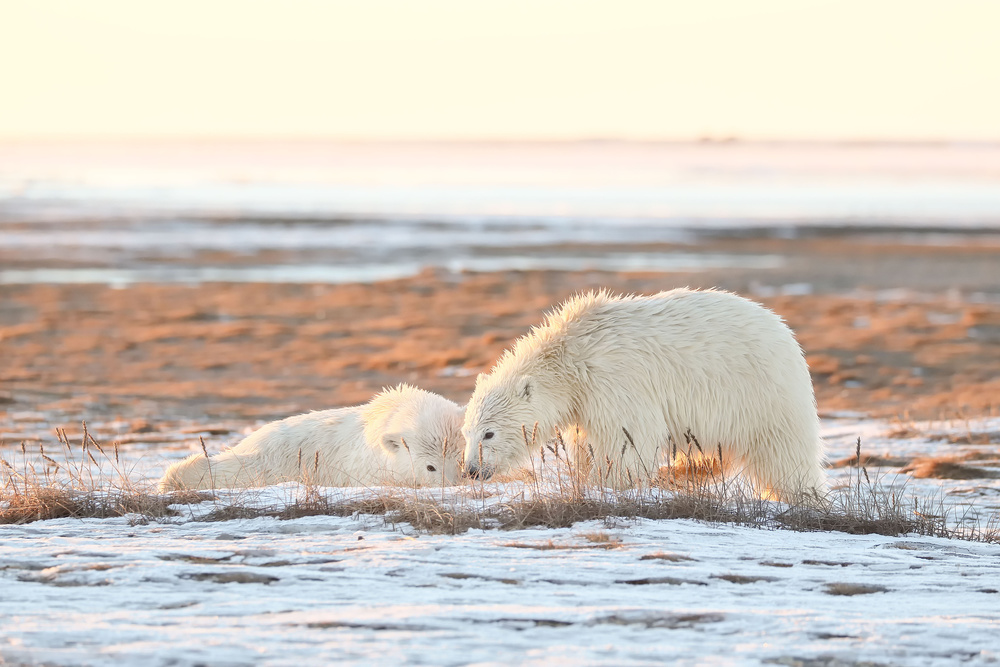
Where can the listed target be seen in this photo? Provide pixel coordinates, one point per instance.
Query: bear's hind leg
(787, 470)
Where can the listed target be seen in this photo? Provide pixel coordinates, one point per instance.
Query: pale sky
(501, 69)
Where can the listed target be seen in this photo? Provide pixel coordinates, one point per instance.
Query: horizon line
(708, 139)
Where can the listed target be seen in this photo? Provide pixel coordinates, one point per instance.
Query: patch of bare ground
(56, 579)
(601, 537)
(909, 431)
(240, 577)
(522, 623)
(824, 660)
(743, 579)
(970, 438)
(663, 555)
(871, 461)
(224, 351)
(947, 468)
(853, 589)
(904, 432)
(669, 581)
(827, 563)
(550, 545)
(377, 627)
(660, 620)
(940, 467)
(465, 575)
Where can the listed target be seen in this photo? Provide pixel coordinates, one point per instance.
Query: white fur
(711, 363)
(356, 446)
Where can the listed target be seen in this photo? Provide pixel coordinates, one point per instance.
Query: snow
(923, 439)
(326, 589)
(356, 590)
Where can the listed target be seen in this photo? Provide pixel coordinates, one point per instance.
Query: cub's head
(420, 433)
(500, 405)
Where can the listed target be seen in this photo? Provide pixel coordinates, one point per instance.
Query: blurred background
(223, 207)
(344, 141)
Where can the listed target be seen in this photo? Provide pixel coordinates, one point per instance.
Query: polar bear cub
(404, 435)
(639, 375)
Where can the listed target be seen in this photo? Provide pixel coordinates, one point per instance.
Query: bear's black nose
(479, 472)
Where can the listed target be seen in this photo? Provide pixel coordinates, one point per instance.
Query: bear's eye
(487, 435)
(431, 468)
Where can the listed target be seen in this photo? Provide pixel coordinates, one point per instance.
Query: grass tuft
(77, 485)
(88, 479)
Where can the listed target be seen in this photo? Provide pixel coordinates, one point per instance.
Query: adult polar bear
(403, 435)
(709, 363)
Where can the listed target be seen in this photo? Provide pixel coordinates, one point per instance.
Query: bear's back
(331, 432)
(682, 320)
(687, 351)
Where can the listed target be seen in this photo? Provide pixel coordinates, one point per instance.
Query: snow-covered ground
(974, 442)
(354, 590)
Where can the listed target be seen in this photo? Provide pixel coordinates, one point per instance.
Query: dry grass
(90, 480)
(79, 484)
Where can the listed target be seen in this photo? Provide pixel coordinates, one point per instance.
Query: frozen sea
(341, 212)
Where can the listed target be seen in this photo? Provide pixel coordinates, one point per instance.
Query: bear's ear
(524, 388)
(479, 378)
(391, 442)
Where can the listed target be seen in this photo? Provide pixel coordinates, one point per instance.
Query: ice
(358, 590)
(327, 589)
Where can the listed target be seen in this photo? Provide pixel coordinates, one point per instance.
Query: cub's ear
(479, 378)
(391, 442)
(524, 388)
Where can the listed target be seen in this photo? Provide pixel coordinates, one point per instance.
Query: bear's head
(527, 387)
(500, 406)
(420, 434)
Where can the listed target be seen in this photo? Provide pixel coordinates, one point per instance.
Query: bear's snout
(479, 472)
